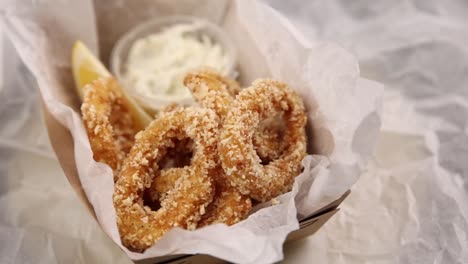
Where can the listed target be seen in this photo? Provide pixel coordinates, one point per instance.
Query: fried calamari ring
(210, 90)
(172, 164)
(238, 157)
(268, 139)
(216, 92)
(183, 206)
(108, 122)
(229, 206)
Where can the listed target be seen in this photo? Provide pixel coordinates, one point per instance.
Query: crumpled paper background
(343, 110)
(409, 207)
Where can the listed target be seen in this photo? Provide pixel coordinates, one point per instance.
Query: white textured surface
(411, 205)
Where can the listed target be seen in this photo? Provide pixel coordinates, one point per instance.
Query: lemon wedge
(86, 68)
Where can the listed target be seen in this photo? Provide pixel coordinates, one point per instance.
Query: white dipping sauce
(157, 64)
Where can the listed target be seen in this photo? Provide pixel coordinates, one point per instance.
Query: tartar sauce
(157, 63)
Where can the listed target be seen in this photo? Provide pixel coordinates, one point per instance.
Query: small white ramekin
(121, 49)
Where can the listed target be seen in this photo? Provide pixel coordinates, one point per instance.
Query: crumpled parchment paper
(343, 108)
(41, 220)
(411, 206)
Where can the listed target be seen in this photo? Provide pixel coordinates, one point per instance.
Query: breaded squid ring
(210, 90)
(183, 206)
(216, 92)
(110, 127)
(268, 139)
(173, 164)
(239, 160)
(229, 205)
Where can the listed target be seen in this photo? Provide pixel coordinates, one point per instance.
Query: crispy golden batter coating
(172, 164)
(139, 226)
(228, 207)
(108, 122)
(268, 139)
(239, 159)
(199, 166)
(216, 92)
(211, 90)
